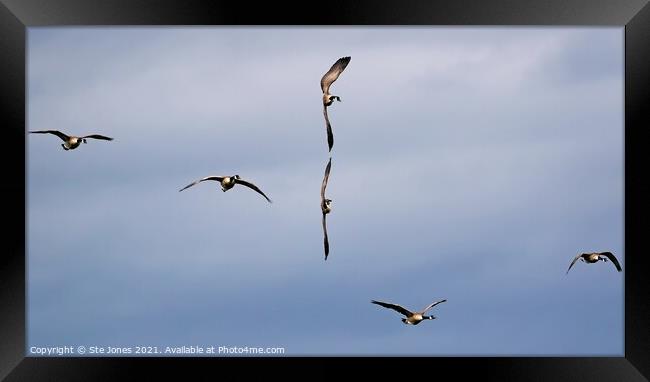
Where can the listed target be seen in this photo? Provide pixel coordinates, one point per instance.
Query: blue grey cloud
(476, 161)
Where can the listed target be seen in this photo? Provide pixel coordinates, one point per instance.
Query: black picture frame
(17, 15)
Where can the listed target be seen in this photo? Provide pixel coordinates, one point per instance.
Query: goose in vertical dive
(595, 257)
(228, 182)
(71, 142)
(325, 206)
(325, 83)
(412, 318)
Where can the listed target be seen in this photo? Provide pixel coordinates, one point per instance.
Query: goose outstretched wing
(59, 134)
(328, 126)
(252, 187)
(432, 305)
(613, 259)
(217, 178)
(395, 307)
(97, 136)
(326, 178)
(574, 261)
(332, 74)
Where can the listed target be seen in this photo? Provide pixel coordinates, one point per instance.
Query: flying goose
(595, 257)
(71, 142)
(412, 318)
(228, 182)
(328, 98)
(325, 206)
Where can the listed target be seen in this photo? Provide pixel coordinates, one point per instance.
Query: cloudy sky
(470, 164)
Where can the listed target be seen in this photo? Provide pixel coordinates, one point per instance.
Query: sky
(469, 164)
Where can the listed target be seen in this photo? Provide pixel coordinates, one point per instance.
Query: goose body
(594, 257)
(326, 81)
(326, 207)
(415, 319)
(228, 182)
(412, 318)
(71, 142)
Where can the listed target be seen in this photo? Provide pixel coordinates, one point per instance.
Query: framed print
(477, 169)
